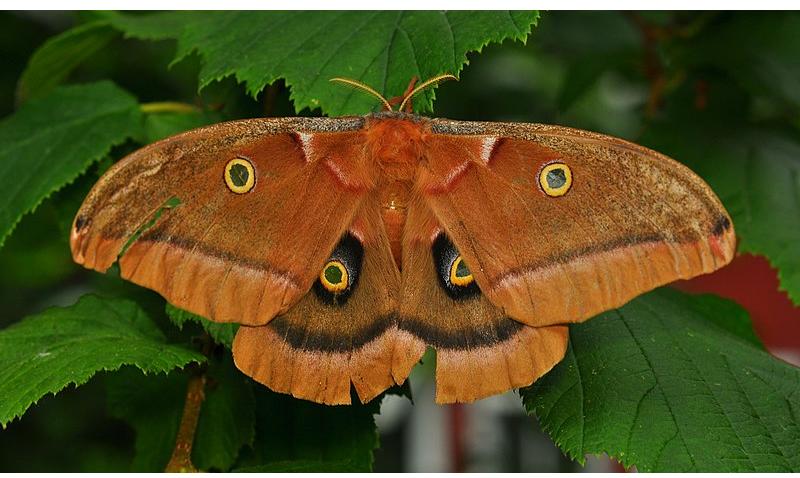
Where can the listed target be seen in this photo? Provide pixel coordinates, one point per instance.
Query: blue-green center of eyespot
(462, 270)
(239, 174)
(333, 275)
(556, 178)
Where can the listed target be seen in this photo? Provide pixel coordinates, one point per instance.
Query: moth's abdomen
(394, 197)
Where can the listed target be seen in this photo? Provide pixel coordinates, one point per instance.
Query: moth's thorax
(394, 143)
(395, 147)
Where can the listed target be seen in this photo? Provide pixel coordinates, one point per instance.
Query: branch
(181, 460)
(653, 37)
(168, 107)
(653, 69)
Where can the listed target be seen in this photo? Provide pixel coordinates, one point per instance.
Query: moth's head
(406, 105)
(395, 137)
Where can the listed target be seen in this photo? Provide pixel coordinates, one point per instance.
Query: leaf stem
(181, 460)
(168, 107)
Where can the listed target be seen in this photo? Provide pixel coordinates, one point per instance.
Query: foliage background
(669, 382)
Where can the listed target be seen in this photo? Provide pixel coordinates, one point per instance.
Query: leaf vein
(660, 387)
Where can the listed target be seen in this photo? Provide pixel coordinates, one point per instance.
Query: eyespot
(454, 275)
(334, 277)
(240, 175)
(460, 274)
(339, 276)
(555, 179)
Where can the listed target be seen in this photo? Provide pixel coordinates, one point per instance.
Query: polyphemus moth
(345, 246)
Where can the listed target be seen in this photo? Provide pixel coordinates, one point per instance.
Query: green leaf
(727, 315)
(221, 333)
(227, 419)
(382, 49)
(52, 140)
(589, 43)
(660, 385)
(756, 174)
(67, 345)
(296, 435)
(52, 63)
(158, 26)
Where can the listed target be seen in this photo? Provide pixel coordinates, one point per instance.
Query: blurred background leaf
(764, 59)
(54, 61)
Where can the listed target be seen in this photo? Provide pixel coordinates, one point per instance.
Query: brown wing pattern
(480, 351)
(226, 256)
(632, 220)
(320, 346)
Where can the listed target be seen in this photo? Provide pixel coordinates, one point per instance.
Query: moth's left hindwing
(341, 332)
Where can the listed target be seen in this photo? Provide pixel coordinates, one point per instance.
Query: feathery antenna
(425, 84)
(406, 99)
(363, 87)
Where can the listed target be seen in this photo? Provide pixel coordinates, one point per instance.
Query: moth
(346, 246)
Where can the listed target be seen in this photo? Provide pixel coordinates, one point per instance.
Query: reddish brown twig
(653, 69)
(399, 99)
(181, 459)
(653, 36)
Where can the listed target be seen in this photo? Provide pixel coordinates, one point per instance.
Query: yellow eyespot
(460, 274)
(555, 179)
(334, 277)
(240, 175)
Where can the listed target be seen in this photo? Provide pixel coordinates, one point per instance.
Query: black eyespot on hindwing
(453, 273)
(339, 276)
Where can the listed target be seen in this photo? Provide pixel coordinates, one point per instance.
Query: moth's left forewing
(630, 220)
(230, 256)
